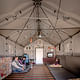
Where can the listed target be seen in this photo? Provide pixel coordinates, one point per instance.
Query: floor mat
(38, 72)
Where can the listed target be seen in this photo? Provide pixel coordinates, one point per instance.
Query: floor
(38, 72)
(61, 73)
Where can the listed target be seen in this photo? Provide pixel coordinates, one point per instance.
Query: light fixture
(30, 40)
(39, 33)
(40, 36)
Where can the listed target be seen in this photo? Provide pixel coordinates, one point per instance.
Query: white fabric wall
(70, 46)
(38, 43)
(76, 45)
(9, 49)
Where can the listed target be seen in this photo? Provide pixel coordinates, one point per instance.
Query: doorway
(39, 55)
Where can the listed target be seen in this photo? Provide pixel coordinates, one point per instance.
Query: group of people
(19, 64)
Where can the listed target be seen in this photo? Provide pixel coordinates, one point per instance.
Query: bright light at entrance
(39, 55)
(40, 36)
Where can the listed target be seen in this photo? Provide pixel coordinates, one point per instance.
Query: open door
(39, 55)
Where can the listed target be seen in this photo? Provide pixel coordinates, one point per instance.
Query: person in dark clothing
(23, 61)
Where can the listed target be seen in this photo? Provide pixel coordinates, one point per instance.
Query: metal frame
(37, 4)
(25, 25)
(10, 39)
(51, 24)
(42, 29)
(70, 37)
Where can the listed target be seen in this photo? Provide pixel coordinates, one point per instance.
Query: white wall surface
(9, 48)
(70, 46)
(38, 43)
(76, 45)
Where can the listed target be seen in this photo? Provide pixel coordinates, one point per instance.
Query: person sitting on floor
(16, 66)
(27, 59)
(20, 59)
(23, 62)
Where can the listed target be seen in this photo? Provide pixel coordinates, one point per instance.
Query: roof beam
(25, 24)
(42, 29)
(70, 37)
(51, 23)
(47, 39)
(10, 39)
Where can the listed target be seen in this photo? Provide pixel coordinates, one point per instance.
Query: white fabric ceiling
(60, 19)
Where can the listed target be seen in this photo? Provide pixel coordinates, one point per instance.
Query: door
(39, 55)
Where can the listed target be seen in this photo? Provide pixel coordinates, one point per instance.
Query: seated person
(23, 60)
(16, 66)
(57, 61)
(27, 59)
(20, 59)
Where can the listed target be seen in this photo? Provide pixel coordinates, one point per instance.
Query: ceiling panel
(57, 23)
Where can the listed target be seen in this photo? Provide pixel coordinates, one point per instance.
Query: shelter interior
(47, 27)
